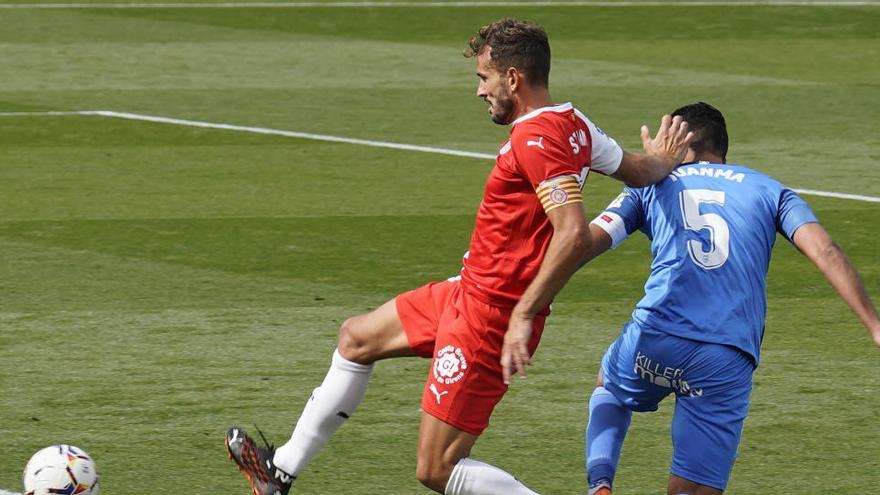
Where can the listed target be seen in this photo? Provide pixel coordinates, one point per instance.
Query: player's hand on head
(515, 358)
(672, 139)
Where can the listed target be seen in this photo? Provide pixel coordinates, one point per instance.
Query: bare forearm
(564, 256)
(639, 170)
(816, 244)
(600, 242)
(654, 169)
(842, 275)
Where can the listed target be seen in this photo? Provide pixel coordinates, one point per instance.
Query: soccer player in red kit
(529, 238)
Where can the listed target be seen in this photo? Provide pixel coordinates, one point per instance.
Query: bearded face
(501, 106)
(494, 89)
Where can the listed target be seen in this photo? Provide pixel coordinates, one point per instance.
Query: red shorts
(463, 336)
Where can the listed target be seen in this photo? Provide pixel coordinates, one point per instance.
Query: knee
(352, 345)
(434, 474)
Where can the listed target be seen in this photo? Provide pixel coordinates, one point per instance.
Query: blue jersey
(712, 229)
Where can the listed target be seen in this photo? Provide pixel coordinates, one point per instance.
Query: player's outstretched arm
(817, 245)
(600, 242)
(663, 152)
(565, 253)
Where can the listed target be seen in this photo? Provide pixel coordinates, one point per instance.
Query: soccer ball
(61, 469)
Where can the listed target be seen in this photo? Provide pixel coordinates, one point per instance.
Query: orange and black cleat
(256, 464)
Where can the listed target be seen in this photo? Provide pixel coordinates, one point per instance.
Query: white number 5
(719, 233)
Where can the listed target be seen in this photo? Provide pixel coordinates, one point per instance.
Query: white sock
(470, 477)
(329, 406)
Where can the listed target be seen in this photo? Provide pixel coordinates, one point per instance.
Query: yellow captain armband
(559, 191)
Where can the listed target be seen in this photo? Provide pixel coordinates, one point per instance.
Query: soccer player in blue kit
(697, 331)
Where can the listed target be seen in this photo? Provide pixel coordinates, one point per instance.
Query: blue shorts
(711, 383)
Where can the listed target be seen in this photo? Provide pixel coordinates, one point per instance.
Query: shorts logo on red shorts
(449, 365)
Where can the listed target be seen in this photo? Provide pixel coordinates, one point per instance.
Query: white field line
(4, 492)
(856, 197)
(258, 130)
(442, 4)
(338, 139)
(37, 114)
(293, 134)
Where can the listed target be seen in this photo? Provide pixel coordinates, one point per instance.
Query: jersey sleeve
(792, 213)
(541, 154)
(548, 165)
(622, 217)
(607, 154)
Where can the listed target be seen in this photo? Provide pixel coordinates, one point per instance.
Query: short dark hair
(708, 126)
(518, 44)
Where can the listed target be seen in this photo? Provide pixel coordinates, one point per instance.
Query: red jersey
(542, 166)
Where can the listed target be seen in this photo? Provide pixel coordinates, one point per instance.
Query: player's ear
(514, 78)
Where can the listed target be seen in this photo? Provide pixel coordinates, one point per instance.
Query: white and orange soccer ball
(63, 469)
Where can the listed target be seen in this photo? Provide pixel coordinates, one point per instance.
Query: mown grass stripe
(248, 5)
(340, 139)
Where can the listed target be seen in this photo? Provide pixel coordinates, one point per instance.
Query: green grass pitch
(159, 283)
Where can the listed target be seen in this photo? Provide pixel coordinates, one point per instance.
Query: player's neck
(531, 100)
(692, 157)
